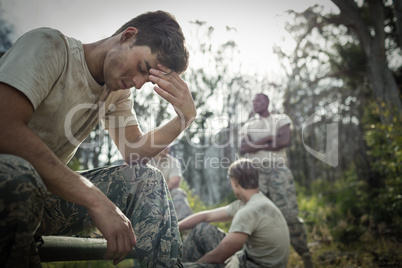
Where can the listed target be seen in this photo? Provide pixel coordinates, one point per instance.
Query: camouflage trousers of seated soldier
(27, 209)
(278, 185)
(203, 238)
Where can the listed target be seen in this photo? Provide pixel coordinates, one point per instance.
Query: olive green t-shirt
(268, 242)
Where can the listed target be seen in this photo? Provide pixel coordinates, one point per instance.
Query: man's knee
(144, 173)
(21, 194)
(208, 232)
(9, 164)
(18, 174)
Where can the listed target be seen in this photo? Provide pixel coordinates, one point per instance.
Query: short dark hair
(265, 96)
(161, 32)
(245, 172)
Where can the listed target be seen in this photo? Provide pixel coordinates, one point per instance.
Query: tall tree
(329, 62)
(368, 24)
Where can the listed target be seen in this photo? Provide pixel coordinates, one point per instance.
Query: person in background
(264, 140)
(53, 91)
(171, 170)
(258, 235)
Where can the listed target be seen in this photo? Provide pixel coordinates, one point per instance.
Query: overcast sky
(259, 23)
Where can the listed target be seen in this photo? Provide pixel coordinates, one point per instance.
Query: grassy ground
(377, 253)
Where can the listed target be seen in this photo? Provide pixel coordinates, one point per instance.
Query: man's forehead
(261, 97)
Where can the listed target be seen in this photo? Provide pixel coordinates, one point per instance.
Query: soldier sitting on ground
(258, 235)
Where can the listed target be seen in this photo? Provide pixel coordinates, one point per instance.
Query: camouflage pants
(278, 185)
(180, 203)
(203, 238)
(27, 209)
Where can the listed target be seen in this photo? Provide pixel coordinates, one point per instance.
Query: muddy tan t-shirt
(260, 127)
(50, 69)
(268, 243)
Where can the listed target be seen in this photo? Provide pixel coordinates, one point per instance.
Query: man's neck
(265, 113)
(95, 54)
(247, 194)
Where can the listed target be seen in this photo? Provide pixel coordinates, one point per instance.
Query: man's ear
(128, 34)
(235, 182)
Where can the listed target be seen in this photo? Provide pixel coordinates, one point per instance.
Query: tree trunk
(398, 16)
(385, 90)
(372, 41)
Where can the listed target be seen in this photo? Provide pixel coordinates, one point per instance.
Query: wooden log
(69, 248)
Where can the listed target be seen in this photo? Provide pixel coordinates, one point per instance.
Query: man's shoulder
(46, 33)
(234, 207)
(279, 115)
(259, 201)
(44, 40)
(263, 203)
(258, 198)
(280, 119)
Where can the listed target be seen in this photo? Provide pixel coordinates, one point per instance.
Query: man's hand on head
(171, 87)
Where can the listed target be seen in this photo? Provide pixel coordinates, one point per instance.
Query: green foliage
(347, 208)
(351, 62)
(385, 144)
(385, 148)
(339, 216)
(194, 200)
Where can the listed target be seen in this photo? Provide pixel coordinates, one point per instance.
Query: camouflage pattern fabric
(139, 191)
(22, 194)
(240, 260)
(203, 238)
(278, 185)
(180, 203)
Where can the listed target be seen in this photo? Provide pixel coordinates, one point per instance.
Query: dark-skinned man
(264, 140)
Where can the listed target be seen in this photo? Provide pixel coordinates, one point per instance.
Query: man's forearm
(213, 215)
(227, 247)
(18, 139)
(144, 147)
(249, 146)
(275, 146)
(211, 257)
(192, 221)
(69, 185)
(282, 140)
